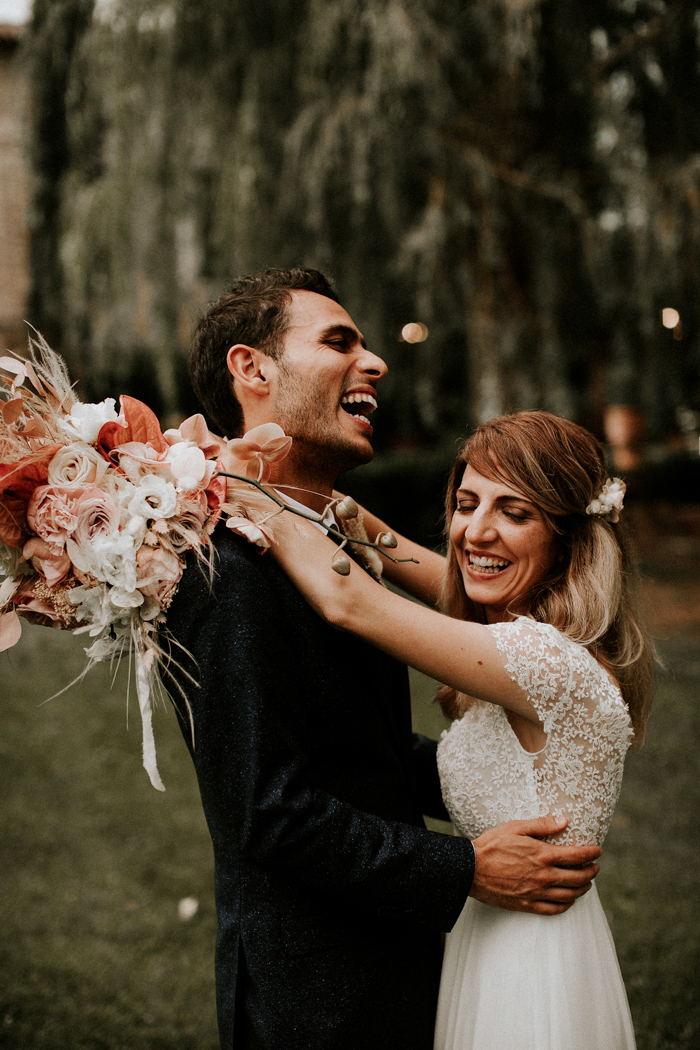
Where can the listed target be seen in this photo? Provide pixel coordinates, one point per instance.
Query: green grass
(94, 862)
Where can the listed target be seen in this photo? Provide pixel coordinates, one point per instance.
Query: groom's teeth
(355, 399)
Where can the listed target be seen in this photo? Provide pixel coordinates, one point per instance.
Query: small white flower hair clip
(609, 501)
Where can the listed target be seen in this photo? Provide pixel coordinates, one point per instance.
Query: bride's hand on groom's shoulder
(518, 872)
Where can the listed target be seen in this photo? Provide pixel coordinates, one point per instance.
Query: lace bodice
(487, 776)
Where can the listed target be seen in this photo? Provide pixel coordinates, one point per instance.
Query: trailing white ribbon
(144, 673)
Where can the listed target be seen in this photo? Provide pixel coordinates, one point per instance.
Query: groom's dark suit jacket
(330, 892)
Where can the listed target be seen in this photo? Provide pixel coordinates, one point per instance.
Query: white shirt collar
(328, 518)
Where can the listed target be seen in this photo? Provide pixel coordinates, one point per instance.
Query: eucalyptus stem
(312, 516)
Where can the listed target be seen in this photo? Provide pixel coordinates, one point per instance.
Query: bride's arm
(460, 654)
(422, 581)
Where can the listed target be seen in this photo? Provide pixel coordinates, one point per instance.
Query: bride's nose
(481, 529)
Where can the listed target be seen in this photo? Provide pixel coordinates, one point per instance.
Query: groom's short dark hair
(253, 312)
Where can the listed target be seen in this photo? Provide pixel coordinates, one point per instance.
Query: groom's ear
(250, 370)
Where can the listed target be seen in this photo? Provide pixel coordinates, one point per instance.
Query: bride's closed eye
(517, 515)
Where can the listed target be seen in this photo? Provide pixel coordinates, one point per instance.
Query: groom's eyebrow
(345, 331)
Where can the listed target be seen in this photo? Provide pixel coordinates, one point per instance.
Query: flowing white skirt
(514, 981)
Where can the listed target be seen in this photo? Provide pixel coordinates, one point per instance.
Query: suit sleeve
(254, 772)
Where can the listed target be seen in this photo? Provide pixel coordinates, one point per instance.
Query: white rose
(77, 464)
(155, 498)
(86, 421)
(114, 560)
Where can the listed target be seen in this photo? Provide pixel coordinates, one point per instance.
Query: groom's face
(326, 384)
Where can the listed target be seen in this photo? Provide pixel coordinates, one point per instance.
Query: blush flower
(260, 535)
(53, 513)
(158, 574)
(98, 515)
(257, 449)
(195, 430)
(77, 464)
(52, 566)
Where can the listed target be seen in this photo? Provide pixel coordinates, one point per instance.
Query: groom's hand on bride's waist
(517, 871)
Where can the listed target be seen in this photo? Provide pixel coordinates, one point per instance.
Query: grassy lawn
(94, 862)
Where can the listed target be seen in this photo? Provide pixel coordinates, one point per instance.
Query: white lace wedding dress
(516, 981)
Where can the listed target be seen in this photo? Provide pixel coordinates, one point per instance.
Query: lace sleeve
(554, 672)
(584, 716)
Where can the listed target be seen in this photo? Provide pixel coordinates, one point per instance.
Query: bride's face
(503, 543)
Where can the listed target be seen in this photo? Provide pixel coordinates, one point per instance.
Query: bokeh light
(670, 317)
(414, 332)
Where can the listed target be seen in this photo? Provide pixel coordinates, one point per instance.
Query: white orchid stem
(311, 515)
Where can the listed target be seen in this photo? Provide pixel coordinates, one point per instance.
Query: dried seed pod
(387, 539)
(347, 508)
(341, 564)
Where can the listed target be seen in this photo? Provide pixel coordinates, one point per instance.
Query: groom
(330, 892)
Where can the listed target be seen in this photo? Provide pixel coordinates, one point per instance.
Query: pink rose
(53, 513)
(185, 531)
(52, 566)
(158, 573)
(97, 515)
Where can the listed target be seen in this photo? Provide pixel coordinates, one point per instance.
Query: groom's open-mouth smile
(359, 404)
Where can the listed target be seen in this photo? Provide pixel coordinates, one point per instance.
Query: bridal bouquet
(98, 509)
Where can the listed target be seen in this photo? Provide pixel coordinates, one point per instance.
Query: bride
(548, 679)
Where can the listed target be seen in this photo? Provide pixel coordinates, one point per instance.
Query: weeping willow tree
(521, 177)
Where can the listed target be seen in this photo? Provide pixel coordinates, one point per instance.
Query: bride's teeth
(488, 563)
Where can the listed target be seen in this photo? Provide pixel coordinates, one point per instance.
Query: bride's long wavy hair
(590, 593)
